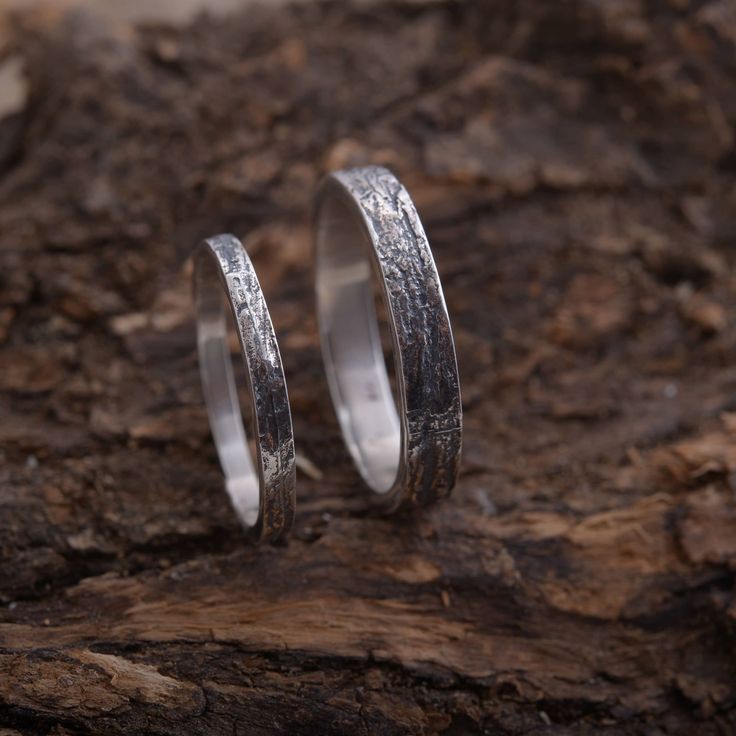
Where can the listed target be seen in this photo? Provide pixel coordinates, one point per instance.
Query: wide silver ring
(261, 493)
(366, 227)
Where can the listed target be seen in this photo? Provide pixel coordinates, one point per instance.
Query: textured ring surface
(366, 226)
(262, 495)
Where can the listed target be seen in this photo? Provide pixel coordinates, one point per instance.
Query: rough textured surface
(366, 212)
(573, 164)
(260, 484)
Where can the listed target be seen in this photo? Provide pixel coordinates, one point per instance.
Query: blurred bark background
(574, 165)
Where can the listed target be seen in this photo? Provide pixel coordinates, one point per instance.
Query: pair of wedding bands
(365, 223)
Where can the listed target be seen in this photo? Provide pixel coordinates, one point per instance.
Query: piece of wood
(574, 167)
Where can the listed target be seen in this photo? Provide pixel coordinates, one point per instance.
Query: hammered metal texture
(431, 409)
(270, 401)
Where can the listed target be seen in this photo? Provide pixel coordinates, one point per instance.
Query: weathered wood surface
(574, 166)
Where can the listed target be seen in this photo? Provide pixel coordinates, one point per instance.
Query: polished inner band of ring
(225, 288)
(367, 226)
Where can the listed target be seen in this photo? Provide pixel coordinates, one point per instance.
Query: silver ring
(263, 496)
(366, 223)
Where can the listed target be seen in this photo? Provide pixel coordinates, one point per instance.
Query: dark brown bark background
(573, 163)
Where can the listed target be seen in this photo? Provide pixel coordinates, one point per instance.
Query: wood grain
(573, 165)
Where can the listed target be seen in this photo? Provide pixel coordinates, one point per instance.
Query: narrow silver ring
(263, 496)
(366, 224)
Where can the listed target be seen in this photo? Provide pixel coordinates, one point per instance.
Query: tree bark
(573, 164)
